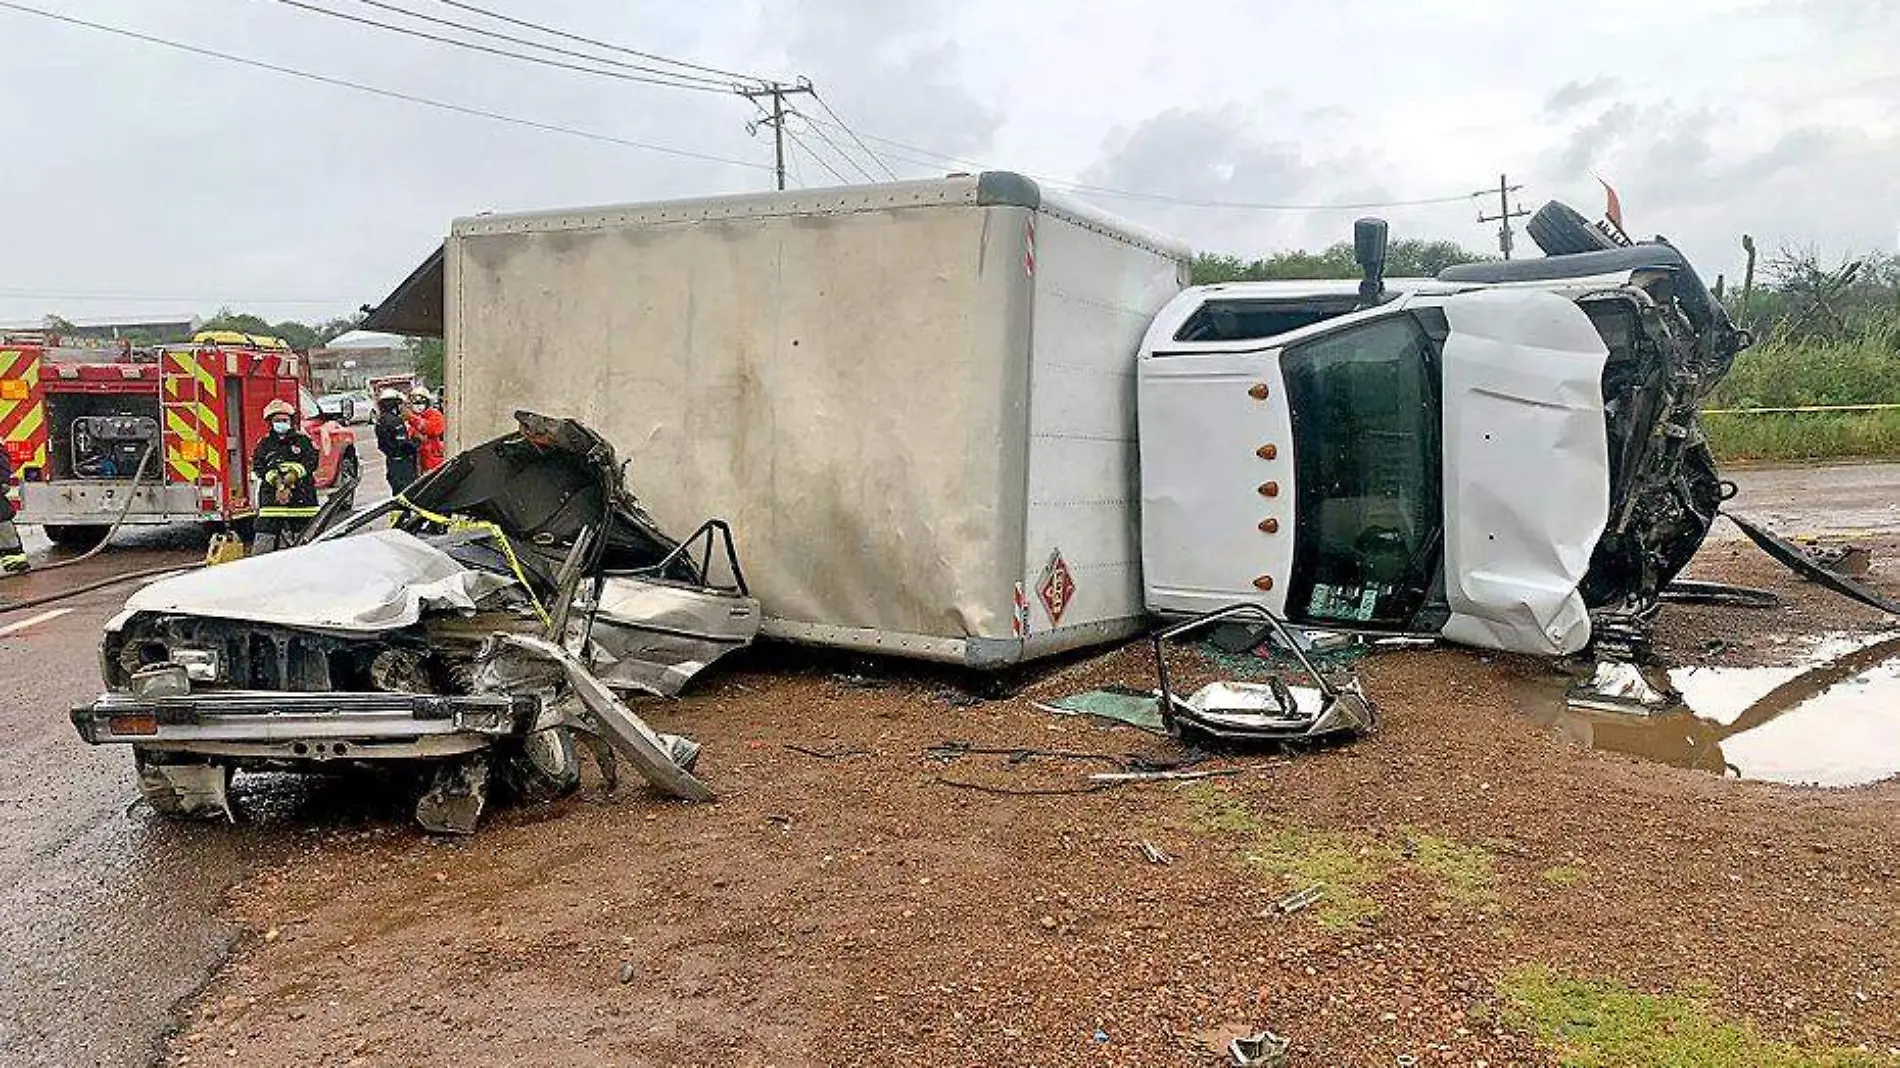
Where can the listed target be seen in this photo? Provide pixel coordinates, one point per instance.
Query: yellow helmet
(279, 407)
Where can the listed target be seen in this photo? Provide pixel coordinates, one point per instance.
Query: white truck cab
(1472, 456)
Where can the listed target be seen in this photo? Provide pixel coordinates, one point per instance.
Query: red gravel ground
(857, 911)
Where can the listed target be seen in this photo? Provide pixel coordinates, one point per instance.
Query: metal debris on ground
(1161, 776)
(1619, 686)
(1793, 557)
(1853, 561)
(1301, 899)
(1131, 768)
(1263, 1050)
(838, 752)
(1140, 709)
(1154, 854)
(1272, 711)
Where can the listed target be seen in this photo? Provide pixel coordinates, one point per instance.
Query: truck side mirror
(1368, 248)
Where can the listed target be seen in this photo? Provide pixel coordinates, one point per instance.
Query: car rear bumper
(305, 726)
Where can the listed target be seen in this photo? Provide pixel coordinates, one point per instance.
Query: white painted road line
(15, 628)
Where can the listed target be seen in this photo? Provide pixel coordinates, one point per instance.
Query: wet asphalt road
(108, 915)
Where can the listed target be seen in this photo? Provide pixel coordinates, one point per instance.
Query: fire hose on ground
(124, 510)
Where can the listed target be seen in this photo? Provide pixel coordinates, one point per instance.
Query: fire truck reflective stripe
(194, 440)
(182, 433)
(22, 415)
(206, 380)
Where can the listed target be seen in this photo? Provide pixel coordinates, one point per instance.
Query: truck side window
(1365, 410)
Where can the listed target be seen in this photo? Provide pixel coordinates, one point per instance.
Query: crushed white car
(473, 627)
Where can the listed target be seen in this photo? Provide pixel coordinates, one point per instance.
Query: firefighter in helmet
(285, 462)
(395, 441)
(428, 427)
(12, 553)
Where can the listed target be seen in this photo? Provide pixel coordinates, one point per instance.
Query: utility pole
(1505, 212)
(778, 91)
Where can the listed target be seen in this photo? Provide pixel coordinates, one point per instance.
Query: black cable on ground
(1032, 791)
(130, 576)
(1689, 591)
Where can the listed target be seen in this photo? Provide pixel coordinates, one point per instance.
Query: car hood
(393, 578)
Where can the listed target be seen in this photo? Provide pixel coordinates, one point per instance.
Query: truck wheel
(76, 535)
(1560, 231)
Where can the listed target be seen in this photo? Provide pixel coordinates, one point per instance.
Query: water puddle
(1833, 719)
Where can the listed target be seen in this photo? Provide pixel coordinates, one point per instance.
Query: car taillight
(133, 723)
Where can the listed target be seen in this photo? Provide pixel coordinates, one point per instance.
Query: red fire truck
(76, 422)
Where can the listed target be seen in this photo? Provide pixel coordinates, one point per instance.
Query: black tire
(79, 536)
(1559, 230)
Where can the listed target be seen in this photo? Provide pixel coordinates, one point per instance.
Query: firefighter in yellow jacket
(285, 462)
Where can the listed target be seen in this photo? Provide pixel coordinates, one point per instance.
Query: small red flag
(1612, 208)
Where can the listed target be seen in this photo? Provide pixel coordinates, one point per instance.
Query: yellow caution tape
(1805, 408)
(500, 536)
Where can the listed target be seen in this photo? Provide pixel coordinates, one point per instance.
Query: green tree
(1405, 258)
(331, 329)
(428, 356)
(296, 334)
(242, 322)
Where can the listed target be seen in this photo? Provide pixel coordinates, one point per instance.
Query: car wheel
(545, 767)
(1559, 230)
(76, 535)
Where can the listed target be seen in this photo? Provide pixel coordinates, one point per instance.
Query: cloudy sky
(139, 179)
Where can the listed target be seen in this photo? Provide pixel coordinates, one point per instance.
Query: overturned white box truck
(915, 402)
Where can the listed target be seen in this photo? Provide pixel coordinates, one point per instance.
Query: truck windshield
(1365, 411)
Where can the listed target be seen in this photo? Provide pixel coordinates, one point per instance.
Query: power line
(471, 46)
(800, 142)
(798, 175)
(833, 145)
(136, 298)
(823, 103)
(1162, 198)
(524, 23)
(441, 105)
(721, 83)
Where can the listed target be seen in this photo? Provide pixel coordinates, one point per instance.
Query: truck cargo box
(914, 402)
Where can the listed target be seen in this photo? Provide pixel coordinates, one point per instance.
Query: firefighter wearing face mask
(428, 427)
(285, 463)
